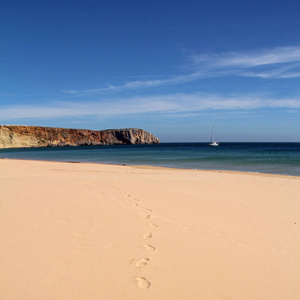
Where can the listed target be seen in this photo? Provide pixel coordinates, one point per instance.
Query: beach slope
(92, 231)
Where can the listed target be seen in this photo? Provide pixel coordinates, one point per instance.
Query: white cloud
(251, 59)
(138, 84)
(171, 105)
(281, 62)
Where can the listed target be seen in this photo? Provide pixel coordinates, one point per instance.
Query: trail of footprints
(143, 282)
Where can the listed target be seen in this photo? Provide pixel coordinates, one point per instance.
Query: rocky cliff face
(33, 136)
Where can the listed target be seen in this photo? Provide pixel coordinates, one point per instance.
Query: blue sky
(173, 68)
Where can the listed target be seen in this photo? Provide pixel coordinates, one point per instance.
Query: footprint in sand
(131, 261)
(143, 282)
(152, 225)
(146, 216)
(143, 262)
(147, 236)
(147, 209)
(150, 247)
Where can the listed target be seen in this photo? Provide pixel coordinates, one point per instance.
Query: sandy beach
(92, 231)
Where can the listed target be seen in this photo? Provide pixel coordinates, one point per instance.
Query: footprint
(153, 225)
(143, 262)
(135, 204)
(147, 209)
(143, 282)
(150, 247)
(147, 216)
(147, 236)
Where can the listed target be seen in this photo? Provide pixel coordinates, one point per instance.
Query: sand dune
(91, 231)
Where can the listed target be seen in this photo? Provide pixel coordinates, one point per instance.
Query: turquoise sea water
(273, 158)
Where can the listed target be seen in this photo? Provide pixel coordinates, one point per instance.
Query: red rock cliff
(34, 136)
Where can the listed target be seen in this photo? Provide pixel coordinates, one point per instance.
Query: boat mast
(213, 134)
(213, 142)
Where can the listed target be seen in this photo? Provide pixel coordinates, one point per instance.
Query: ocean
(271, 158)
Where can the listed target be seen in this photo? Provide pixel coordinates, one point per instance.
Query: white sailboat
(213, 142)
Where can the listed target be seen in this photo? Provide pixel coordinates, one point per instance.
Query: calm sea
(273, 158)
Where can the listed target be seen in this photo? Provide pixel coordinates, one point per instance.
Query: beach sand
(93, 231)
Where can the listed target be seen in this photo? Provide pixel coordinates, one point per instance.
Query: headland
(18, 136)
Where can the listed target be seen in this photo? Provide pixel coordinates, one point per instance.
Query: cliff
(34, 136)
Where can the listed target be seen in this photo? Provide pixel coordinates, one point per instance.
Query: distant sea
(272, 158)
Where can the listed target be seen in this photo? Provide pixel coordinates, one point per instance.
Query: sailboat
(213, 142)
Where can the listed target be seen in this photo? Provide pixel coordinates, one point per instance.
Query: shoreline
(158, 167)
(251, 157)
(100, 231)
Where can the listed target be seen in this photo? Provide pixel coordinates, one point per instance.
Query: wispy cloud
(251, 59)
(281, 62)
(138, 84)
(172, 105)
